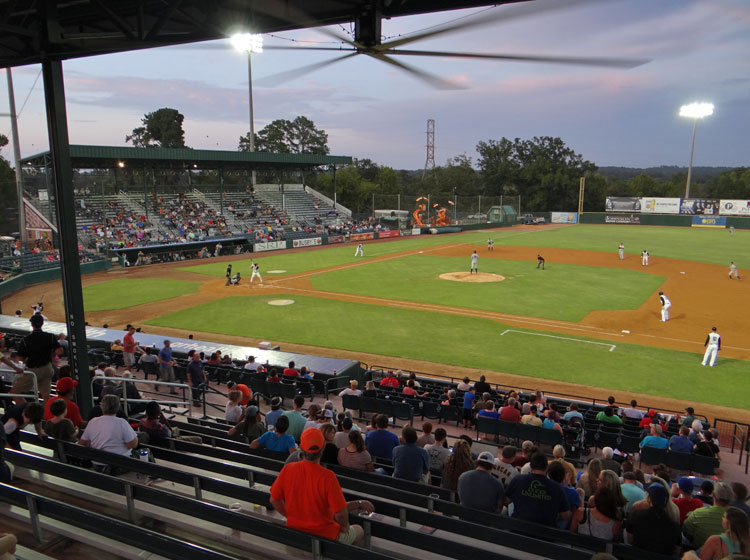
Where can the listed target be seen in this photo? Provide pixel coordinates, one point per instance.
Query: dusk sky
(699, 51)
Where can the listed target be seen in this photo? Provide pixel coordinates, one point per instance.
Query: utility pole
(430, 161)
(17, 157)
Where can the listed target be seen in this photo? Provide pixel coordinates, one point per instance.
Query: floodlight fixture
(248, 42)
(694, 111)
(120, 164)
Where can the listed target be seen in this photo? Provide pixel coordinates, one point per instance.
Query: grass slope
(564, 292)
(471, 342)
(119, 294)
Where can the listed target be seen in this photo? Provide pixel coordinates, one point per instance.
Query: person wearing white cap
(478, 489)
(713, 345)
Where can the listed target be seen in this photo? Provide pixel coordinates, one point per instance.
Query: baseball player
(255, 269)
(644, 258)
(474, 263)
(236, 278)
(229, 274)
(665, 305)
(540, 261)
(360, 252)
(713, 345)
(490, 245)
(733, 271)
(621, 251)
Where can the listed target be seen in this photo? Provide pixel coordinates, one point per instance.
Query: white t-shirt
(438, 455)
(233, 412)
(109, 433)
(252, 366)
(350, 391)
(632, 413)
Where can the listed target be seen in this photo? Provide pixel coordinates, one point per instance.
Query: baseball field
(589, 323)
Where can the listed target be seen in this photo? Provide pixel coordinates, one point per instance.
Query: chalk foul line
(611, 346)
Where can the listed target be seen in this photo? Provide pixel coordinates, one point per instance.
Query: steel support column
(57, 126)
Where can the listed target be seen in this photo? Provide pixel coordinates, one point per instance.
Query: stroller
(574, 438)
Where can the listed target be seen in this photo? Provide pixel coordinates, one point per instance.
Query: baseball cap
(66, 384)
(658, 495)
(312, 440)
(690, 410)
(276, 401)
(685, 484)
(167, 342)
(328, 413)
(486, 457)
(251, 411)
(652, 413)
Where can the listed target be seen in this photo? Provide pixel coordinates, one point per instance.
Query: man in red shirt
(310, 497)
(389, 380)
(290, 371)
(682, 496)
(509, 412)
(65, 388)
(128, 347)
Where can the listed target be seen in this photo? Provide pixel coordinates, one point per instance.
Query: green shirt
(296, 424)
(614, 419)
(703, 523)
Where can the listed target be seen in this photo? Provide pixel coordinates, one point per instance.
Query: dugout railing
(739, 435)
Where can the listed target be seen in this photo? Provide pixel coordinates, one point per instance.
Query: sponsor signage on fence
(622, 219)
(709, 221)
(309, 242)
(699, 206)
(391, 233)
(361, 236)
(564, 217)
(623, 204)
(416, 231)
(734, 207)
(335, 239)
(660, 205)
(269, 246)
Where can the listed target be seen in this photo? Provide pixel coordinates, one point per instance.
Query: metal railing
(739, 433)
(34, 395)
(126, 401)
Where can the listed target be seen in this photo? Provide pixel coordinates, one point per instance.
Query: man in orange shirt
(65, 388)
(310, 497)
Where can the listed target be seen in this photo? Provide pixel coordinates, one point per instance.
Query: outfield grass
(122, 293)
(564, 292)
(471, 342)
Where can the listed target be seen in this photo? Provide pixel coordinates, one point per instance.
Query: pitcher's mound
(467, 277)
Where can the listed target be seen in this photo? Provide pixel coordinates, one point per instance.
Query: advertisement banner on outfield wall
(309, 242)
(734, 207)
(269, 246)
(622, 219)
(699, 206)
(660, 205)
(361, 236)
(416, 231)
(709, 222)
(391, 233)
(335, 239)
(623, 204)
(564, 217)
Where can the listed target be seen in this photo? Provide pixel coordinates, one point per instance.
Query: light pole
(694, 111)
(249, 43)
(17, 157)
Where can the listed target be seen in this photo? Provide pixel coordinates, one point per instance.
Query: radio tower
(430, 161)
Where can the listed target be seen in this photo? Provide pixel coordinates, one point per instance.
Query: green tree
(388, 181)
(299, 136)
(543, 170)
(731, 184)
(161, 129)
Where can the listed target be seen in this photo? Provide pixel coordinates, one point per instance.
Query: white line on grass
(611, 346)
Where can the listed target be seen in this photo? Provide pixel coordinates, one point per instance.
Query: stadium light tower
(694, 111)
(249, 43)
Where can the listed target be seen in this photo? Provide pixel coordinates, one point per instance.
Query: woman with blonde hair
(609, 479)
(458, 463)
(588, 480)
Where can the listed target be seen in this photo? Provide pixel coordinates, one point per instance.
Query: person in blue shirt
(489, 411)
(655, 439)
(166, 366)
(380, 442)
(469, 397)
(275, 412)
(278, 441)
(410, 461)
(681, 442)
(572, 413)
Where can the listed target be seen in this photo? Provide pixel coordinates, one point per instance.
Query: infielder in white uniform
(733, 271)
(621, 251)
(665, 305)
(360, 252)
(644, 258)
(490, 245)
(255, 269)
(713, 345)
(474, 263)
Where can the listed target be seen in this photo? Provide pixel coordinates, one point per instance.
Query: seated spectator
(381, 442)
(108, 432)
(438, 452)
(681, 442)
(549, 424)
(647, 419)
(608, 479)
(156, 425)
(504, 469)
(696, 431)
(252, 365)
(481, 386)
(296, 420)
(389, 380)
(651, 528)
(352, 389)
(510, 412)
(632, 412)
(59, 427)
(290, 372)
(410, 390)
(314, 417)
(410, 461)
(489, 411)
(449, 398)
(706, 493)
(354, 455)
(690, 418)
(65, 389)
(458, 463)
(426, 438)
(708, 447)
(251, 427)
(273, 376)
(602, 520)
(572, 413)
(531, 418)
(608, 416)
(233, 411)
(630, 490)
(330, 451)
(370, 391)
(704, 522)
(740, 497)
(278, 441)
(655, 439)
(535, 497)
(588, 481)
(564, 474)
(608, 463)
(734, 542)
(465, 385)
(527, 450)
(682, 494)
(273, 414)
(478, 489)
(18, 417)
(213, 360)
(345, 425)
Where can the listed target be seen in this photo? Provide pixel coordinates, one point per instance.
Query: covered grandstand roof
(104, 157)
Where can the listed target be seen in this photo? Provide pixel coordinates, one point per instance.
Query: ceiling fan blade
(300, 19)
(275, 79)
(302, 49)
(431, 79)
(500, 14)
(574, 60)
